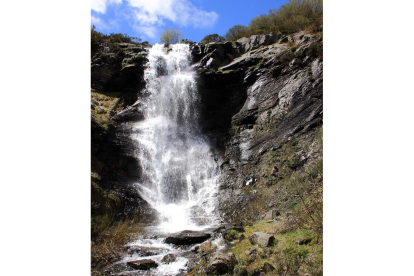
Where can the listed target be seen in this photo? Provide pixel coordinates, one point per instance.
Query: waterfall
(179, 174)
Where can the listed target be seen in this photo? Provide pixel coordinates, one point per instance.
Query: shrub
(235, 32)
(291, 17)
(213, 38)
(171, 36)
(99, 39)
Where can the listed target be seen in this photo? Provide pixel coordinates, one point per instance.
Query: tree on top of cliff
(171, 36)
(235, 32)
(213, 38)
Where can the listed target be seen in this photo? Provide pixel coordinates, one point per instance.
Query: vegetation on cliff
(294, 16)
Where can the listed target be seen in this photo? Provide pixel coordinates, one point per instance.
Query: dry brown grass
(107, 246)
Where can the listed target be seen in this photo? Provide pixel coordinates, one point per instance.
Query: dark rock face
(112, 149)
(109, 73)
(145, 264)
(255, 104)
(221, 263)
(187, 237)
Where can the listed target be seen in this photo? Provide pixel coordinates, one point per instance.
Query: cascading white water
(179, 174)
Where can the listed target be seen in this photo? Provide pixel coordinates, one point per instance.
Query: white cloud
(181, 12)
(100, 5)
(149, 31)
(98, 22)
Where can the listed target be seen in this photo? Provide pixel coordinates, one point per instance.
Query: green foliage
(286, 255)
(235, 33)
(231, 235)
(137, 59)
(315, 50)
(291, 17)
(171, 36)
(213, 38)
(100, 40)
(186, 41)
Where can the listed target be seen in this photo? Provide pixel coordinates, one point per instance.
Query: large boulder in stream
(144, 264)
(187, 237)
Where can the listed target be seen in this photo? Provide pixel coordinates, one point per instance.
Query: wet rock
(169, 258)
(144, 251)
(262, 239)
(221, 263)
(145, 264)
(187, 237)
(219, 229)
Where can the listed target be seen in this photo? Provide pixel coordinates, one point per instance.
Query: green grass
(287, 256)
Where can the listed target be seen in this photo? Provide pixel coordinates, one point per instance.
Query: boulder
(267, 268)
(207, 247)
(303, 241)
(272, 214)
(262, 239)
(169, 258)
(144, 251)
(256, 41)
(221, 263)
(144, 264)
(187, 237)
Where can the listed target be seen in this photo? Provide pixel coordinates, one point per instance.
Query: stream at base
(179, 172)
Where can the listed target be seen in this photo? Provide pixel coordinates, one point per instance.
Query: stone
(207, 247)
(221, 263)
(262, 239)
(303, 241)
(272, 214)
(169, 258)
(256, 41)
(253, 252)
(144, 251)
(267, 268)
(144, 264)
(187, 237)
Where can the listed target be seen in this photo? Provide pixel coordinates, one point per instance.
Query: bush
(171, 36)
(235, 33)
(111, 41)
(291, 17)
(213, 38)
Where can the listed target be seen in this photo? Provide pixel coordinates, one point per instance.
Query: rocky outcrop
(122, 71)
(187, 237)
(116, 78)
(256, 41)
(253, 105)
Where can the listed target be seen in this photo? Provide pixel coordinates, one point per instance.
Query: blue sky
(147, 19)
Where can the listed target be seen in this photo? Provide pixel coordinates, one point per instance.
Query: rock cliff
(261, 106)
